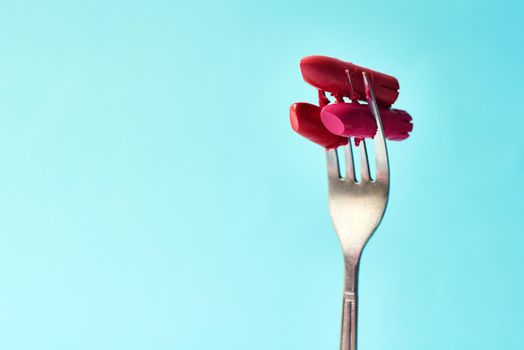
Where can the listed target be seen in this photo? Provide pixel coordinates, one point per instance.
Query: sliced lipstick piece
(305, 120)
(329, 74)
(356, 120)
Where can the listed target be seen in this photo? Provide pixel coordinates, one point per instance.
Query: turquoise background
(154, 196)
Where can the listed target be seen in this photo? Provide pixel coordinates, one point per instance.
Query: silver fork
(356, 210)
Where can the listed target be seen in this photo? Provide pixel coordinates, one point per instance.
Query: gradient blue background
(153, 195)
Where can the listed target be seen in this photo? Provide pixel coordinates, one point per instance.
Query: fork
(356, 210)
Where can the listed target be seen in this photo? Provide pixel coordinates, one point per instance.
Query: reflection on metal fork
(356, 210)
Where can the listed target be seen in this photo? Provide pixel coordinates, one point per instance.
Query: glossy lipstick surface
(356, 120)
(329, 74)
(305, 120)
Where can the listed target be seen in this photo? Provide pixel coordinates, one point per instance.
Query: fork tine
(350, 169)
(381, 151)
(364, 165)
(332, 164)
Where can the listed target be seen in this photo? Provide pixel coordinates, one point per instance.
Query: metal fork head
(357, 208)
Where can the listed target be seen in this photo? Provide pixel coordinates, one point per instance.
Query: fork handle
(348, 338)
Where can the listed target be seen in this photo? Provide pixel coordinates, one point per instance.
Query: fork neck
(351, 267)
